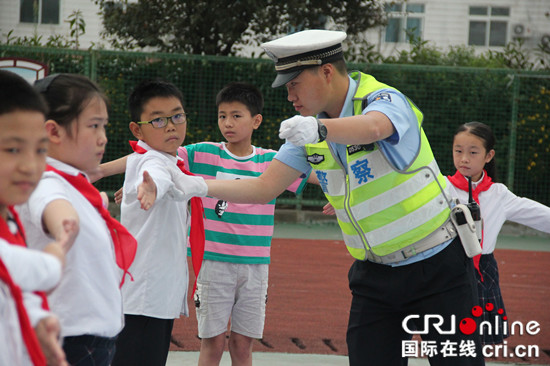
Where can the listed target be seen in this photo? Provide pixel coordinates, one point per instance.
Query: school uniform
(498, 205)
(88, 299)
(30, 270)
(158, 293)
(11, 230)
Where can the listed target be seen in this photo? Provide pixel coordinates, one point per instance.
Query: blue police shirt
(400, 148)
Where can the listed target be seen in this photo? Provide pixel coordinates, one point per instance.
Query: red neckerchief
(461, 182)
(29, 336)
(196, 235)
(124, 243)
(18, 238)
(5, 233)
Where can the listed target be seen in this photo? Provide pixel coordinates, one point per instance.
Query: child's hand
(47, 331)
(70, 232)
(147, 192)
(64, 242)
(118, 196)
(328, 209)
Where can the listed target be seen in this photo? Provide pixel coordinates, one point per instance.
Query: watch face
(322, 132)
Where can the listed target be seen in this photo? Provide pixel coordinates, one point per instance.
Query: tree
(223, 27)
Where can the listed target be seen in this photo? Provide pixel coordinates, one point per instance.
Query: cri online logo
(468, 325)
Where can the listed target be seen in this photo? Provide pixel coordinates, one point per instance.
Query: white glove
(300, 130)
(190, 185)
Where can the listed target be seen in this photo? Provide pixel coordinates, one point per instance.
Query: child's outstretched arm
(107, 169)
(147, 191)
(59, 220)
(64, 242)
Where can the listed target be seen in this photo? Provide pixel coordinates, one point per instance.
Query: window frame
(39, 13)
(402, 14)
(490, 20)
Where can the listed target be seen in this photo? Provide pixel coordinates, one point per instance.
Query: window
(404, 21)
(488, 25)
(39, 11)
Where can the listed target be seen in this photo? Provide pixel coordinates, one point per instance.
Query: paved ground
(289, 359)
(525, 287)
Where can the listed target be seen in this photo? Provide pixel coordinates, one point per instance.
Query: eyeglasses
(160, 122)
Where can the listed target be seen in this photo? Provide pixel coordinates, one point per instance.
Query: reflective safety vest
(379, 207)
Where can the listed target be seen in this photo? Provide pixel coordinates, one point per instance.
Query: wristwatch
(322, 131)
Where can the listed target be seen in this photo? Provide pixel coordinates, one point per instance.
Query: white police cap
(298, 51)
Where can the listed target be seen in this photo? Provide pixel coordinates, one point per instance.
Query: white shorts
(233, 290)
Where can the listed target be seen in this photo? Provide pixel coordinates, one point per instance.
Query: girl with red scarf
(474, 156)
(88, 300)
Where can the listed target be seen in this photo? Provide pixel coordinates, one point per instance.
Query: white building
(49, 17)
(488, 24)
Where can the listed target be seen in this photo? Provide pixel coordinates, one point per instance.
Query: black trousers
(89, 350)
(383, 296)
(144, 341)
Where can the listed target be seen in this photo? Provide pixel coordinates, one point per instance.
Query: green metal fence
(516, 104)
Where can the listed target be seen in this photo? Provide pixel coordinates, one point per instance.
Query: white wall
(446, 23)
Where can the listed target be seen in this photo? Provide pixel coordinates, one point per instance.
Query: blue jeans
(89, 350)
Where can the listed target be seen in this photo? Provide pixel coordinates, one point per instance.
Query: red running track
(309, 299)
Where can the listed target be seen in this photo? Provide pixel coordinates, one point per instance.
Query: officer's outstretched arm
(263, 189)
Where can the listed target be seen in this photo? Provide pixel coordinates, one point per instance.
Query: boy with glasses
(233, 280)
(158, 293)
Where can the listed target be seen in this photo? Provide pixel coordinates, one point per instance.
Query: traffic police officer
(365, 142)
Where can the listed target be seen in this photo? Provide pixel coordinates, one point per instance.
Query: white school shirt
(31, 270)
(498, 204)
(159, 269)
(88, 299)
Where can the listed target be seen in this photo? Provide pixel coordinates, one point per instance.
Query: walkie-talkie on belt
(467, 221)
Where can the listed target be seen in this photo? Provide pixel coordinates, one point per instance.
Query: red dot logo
(500, 311)
(477, 311)
(467, 326)
(489, 306)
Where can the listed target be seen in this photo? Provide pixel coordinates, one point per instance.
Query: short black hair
(18, 94)
(147, 90)
(245, 93)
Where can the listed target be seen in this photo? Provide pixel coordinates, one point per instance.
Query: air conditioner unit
(521, 30)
